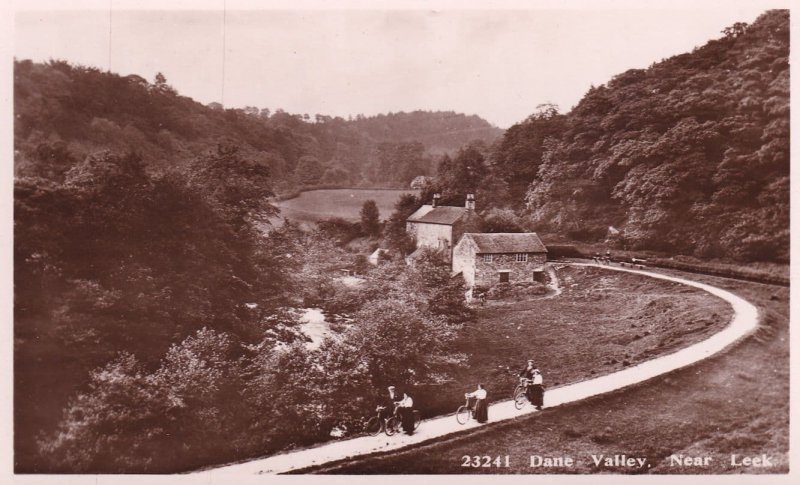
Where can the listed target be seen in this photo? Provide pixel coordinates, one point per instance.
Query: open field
(602, 322)
(315, 205)
(735, 403)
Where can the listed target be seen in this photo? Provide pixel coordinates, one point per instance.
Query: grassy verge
(291, 194)
(734, 403)
(601, 322)
(316, 205)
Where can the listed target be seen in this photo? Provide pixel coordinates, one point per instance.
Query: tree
(237, 186)
(735, 30)
(516, 159)
(129, 421)
(396, 235)
(370, 218)
(309, 170)
(463, 174)
(397, 343)
(160, 85)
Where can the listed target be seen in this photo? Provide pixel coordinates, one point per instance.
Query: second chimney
(470, 204)
(436, 198)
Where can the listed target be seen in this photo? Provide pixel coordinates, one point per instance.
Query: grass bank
(602, 321)
(316, 205)
(734, 403)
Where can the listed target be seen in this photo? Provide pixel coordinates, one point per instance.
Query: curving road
(744, 322)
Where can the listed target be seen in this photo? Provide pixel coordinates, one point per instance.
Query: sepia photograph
(421, 239)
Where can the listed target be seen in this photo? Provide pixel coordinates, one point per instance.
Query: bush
(129, 420)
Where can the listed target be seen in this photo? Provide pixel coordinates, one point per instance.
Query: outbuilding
(490, 258)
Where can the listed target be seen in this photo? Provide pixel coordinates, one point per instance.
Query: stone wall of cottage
(464, 261)
(488, 274)
(436, 236)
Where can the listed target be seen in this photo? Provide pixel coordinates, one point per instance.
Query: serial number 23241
(484, 461)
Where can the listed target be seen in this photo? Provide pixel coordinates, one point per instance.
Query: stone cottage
(487, 259)
(437, 227)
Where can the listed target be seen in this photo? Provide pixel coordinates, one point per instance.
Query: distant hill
(439, 131)
(690, 155)
(65, 112)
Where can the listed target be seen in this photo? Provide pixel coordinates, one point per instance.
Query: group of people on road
(403, 404)
(605, 259)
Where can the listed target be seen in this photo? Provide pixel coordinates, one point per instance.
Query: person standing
(388, 407)
(406, 409)
(481, 412)
(537, 390)
(527, 373)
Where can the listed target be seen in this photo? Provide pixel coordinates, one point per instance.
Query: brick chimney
(470, 204)
(436, 198)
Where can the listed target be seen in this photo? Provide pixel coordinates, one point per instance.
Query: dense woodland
(156, 324)
(66, 112)
(688, 156)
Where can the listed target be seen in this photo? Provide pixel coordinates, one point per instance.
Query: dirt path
(743, 322)
(553, 284)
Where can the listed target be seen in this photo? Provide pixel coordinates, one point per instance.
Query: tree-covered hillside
(65, 112)
(690, 155)
(149, 287)
(439, 131)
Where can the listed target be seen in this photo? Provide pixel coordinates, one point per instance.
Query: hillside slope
(65, 112)
(690, 155)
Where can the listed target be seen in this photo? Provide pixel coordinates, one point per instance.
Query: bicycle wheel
(417, 420)
(519, 400)
(393, 425)
(517, 390)
(373, 426)
(462, 415)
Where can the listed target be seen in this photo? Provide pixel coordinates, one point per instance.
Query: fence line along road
(743, 322)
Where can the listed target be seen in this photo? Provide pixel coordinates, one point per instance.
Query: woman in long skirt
(481, 412)
(537, 390)
(406, 410)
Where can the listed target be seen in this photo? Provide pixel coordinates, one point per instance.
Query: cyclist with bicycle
(526, 376)
(481, 412)
(389, 406)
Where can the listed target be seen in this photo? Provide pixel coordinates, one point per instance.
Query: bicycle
(520, 395)
(465, 411)
(395, 423)
(391, 425)
(377, 423)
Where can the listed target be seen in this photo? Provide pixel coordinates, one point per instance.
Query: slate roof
(438, 215)
(502, 242)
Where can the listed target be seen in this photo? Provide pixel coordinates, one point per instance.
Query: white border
(7, 9)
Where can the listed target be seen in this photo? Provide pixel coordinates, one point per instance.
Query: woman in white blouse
(537, 389)
(481, 413)
(405, 407)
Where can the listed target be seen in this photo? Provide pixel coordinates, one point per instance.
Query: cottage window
(522, 257)
(487, 258)
(504, 277)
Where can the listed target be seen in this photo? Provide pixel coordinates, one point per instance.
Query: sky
(496, 63)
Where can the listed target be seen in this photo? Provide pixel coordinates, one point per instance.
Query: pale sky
(498, 64)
